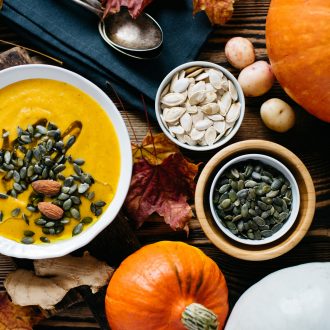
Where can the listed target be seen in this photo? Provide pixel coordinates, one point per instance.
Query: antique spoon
(140, 38)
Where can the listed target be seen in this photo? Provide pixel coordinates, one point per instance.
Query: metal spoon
(140, 38)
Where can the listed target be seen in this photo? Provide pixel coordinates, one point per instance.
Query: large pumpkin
(167, 285)
(298, 46)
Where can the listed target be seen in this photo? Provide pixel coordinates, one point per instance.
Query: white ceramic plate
(63, 247)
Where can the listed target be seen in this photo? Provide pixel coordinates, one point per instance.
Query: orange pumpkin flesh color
(298, 46)
(152, 287)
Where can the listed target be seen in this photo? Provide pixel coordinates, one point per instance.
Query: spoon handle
(92, 5)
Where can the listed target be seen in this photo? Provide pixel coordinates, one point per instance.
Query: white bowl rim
(280, 167)
(62, 247)
(241, 99)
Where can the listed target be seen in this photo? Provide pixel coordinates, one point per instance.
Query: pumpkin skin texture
(153, 286)
(298, 46)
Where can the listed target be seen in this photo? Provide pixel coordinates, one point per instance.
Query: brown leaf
(154, 149)
(163, 188)
(218, 11)
(135, 7)
(13, 317)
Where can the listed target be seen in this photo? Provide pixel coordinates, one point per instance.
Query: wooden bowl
(286, 242)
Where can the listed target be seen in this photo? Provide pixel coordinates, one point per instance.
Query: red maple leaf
(164, 186)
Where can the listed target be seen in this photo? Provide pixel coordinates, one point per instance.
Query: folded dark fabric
(69, 33)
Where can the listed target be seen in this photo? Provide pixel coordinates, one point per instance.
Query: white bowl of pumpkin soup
(65, 161)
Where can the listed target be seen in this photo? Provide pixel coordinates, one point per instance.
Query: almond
(50, 210)
(46, 187)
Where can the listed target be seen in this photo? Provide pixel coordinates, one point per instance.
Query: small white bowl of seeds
(200, 106)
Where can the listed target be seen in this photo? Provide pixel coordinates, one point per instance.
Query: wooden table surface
(309, 140)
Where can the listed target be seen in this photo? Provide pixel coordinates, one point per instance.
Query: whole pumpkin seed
(266, 179)
(28, 233)
(44, 239)
(63, 197)
(91, 195)
(59, 168)
(40, 222)
(15, 212)
(266, 233)
(26, 218)
(259, 221)
(250, 234)
(245, 210)
(65, 221)
(77, 229)
(98, 212)
(73, 189)
(232, 196)
(68, 181)
(87, 220)
(75, 200)
(3, 196)
(257, 235)
(79, 161)
(224, 188)
(256, 176)
(83, 188)
(250, 184)
(242, 193)
(277, 227)
(71, 141)
(27, 240)
(67, 204)
(248, 170)
(50, 224)
(234, 172)
(100, 203)
(75, 213)
(225, 203)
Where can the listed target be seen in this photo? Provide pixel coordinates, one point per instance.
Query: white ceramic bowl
(63, 247)
(230, 77)
(295, 197)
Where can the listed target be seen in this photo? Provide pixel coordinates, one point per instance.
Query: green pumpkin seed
(250, 235)
(67, 205)
(225, 203)
(75, 213)
(83, 188)
(233, 184)
(100, 203)
(232, 196)
(234, 172)
(237, 217)
(245, 210)
(250, 184)
(91, 195)
(3, 196)
(65, 221)
(263, 206)
(44, 239)
(77, 229)
(266, 233)
(27, 240)
(40, 222)
(28, 233)
(63, 197)
(224, 188)
(272, 193)
(259, 221)
(50, 224)
(284, 189)
(87, 220)
(15, 212)
(276, 184)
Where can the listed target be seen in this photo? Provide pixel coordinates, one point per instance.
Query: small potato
(239, 52)
(277, 115)
(256, 79)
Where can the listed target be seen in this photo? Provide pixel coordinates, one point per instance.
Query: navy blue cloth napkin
(69, 33)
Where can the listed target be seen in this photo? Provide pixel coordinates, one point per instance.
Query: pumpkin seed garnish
(44, 239)
(15, 212)
(3, 196)
(77, 229)
(27, 240)
(252, 200)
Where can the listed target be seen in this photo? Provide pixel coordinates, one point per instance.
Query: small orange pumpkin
(167, 285)
(298, 46)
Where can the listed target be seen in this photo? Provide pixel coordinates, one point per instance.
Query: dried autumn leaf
(135, 7)
(154, 149)
(13, 317)
(218, 11)
(163, 188)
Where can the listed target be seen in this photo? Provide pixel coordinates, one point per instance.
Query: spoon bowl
(139, 38)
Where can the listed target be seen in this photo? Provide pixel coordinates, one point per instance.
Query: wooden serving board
(309, 140)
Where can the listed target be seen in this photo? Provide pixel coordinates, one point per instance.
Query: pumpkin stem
(198, 317)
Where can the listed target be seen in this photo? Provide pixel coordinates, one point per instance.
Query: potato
(256, 79)
(239, 52)
(277, 115)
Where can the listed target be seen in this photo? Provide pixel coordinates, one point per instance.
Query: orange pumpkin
(167, 285)
(298, 46)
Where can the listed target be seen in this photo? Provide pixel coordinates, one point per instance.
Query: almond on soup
(59, 161)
